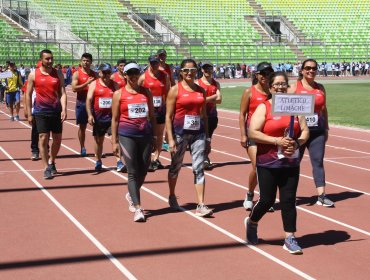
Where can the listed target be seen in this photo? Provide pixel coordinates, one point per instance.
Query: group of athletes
(139, 109)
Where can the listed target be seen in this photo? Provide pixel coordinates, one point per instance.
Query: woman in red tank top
(277, 164)
(186, 124)
(158, 83)
(318, 125)
(251, 98)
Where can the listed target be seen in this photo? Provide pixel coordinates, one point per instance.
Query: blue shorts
(81, 114)
(13, 97)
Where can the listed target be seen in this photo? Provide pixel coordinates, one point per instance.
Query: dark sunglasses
(133, 72)
(308, 68)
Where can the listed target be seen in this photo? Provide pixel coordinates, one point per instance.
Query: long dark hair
(300, 75)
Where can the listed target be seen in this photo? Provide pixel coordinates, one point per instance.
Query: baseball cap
(153, 58)
(105, 67)
(263, 66)
(161, 51)
(130, 66)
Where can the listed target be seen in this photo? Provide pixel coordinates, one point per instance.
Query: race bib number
(139, 110)
(192, 122)
(157, 101)
(105, 103)
(312, 120)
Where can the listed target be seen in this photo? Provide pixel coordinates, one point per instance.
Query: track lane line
(96, 242)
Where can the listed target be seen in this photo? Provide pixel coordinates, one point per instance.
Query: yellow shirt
(12, 83)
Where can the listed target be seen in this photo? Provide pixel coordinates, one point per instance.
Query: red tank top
(188, 110)
(316, 121)
(47, 89)
(82, 78)
(133, 121)
(211, 89)
(102, 101)
(157, 86)
(119, 80)
(276, 126)
(255, 99)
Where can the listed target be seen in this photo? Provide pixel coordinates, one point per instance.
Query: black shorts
(49, 122)
(101, 128)
(212, 125)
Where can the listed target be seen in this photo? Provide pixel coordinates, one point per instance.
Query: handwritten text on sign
(293, 104)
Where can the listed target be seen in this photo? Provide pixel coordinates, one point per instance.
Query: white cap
(131, 66)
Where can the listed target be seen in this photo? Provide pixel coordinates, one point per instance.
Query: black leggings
(136, 152)
(269, 179)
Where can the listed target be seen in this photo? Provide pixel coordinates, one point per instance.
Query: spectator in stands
(244, 70)
(222, 72)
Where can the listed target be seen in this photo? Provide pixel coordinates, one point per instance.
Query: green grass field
(348, 103)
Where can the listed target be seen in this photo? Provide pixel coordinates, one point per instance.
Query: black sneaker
(251, 232)
(153, 166)
(324, 201)
(207, 164)
(35, 156)
(53, 168)
(48, 174)
(159, 164)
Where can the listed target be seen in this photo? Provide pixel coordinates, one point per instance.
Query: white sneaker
(139, 215)
(248, 202)
(131, 206)
(203, 211)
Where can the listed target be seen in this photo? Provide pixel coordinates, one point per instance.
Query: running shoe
(172, 201)
(207, 164)
(248, 202)
(291, 245)
(12, 119)
(53, 168)
(35, 156)
(48, 174)
(165, 147)
(17, 118)
(131, 206)
(159, 164)
(203, 211)
(139, 215)
(251, 232)
(153, 166)
(98, 165)
(120, 166)
(83, 152)
(324, 201)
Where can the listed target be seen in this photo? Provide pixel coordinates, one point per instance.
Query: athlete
(158, 83)
(133, 123)
(186, 124)
(318, 125)
(213, 93)
(277, 164)
(251, 98)
(81, 80)
(12, 94)
(99, 110)
(49, 109)
(118, 76)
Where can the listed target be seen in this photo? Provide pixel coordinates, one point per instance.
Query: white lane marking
(99, 245)
(298, 207)
(345, 164)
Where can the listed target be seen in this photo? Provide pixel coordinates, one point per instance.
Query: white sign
(6, 74)
(293, 104)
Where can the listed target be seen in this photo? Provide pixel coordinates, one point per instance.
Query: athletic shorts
(81, 114)
(49, 122)
(101, 128)
(160, 116)
(212, 125)
(13, 97)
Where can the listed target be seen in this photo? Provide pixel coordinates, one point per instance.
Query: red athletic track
(39, 241)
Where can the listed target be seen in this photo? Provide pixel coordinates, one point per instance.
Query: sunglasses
(266, 73)
(308, 68)
(133, 72)
(189, 70)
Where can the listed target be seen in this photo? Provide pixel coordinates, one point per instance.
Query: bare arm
(63, 97)
(152, 118)
(75, 86)
(170, 110)
(243, 112)
(115, 120)
(30, 87)
(141, 80)
(89, 99)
